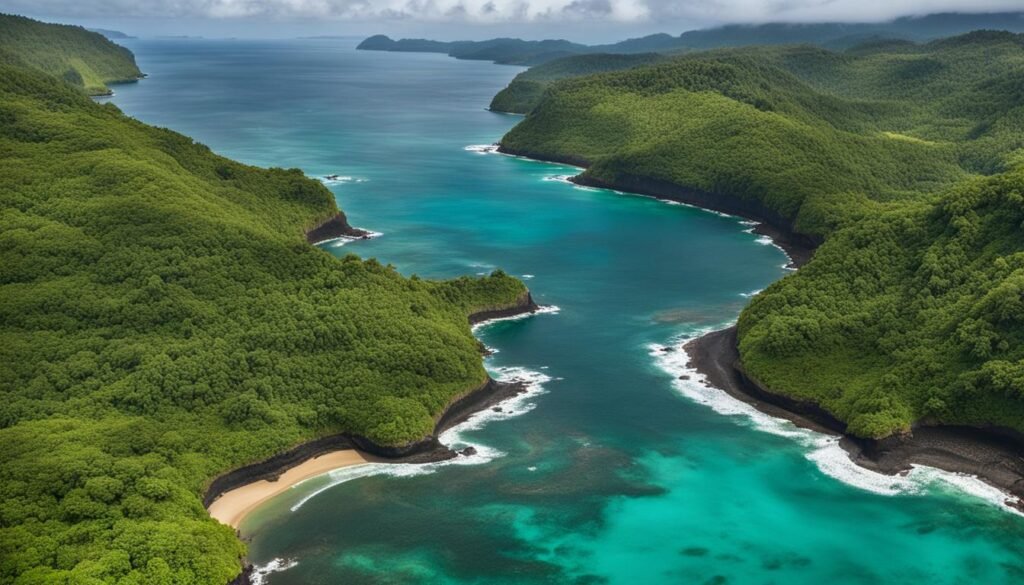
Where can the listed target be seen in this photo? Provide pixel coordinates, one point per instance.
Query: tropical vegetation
(164, 320)
(80, 57)
(905, 159)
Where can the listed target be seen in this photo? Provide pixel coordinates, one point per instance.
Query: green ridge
(82, 58)
(881, 151)
(164, 320)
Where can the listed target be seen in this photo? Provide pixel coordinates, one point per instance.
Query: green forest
(164, 320)
(80, 57)
(831, 35)
(905, 159)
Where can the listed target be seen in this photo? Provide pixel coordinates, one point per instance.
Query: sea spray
(821, 449)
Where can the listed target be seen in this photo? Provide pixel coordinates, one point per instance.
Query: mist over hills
(834, 35)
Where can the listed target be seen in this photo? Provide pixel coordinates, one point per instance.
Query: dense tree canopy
(908, 312)
(164, 320)
(82, 58)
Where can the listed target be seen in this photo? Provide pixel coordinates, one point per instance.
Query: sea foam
(454, 437)
(342, 240)
(482, 148)
(260, 572)
(340, 179)
(542, 310)
(822, 449)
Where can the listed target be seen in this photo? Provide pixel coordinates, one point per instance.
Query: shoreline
(232, 507)
(236, 493)
(993, 455)
(798, 247)
(334, 228)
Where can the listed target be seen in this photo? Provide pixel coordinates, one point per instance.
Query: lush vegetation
(841, 35)
(912, 313)
(527, 88)
(80, 57)
(830, 35)
(909, 311)
(164, 320)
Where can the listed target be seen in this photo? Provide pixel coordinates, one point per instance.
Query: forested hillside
(525, 90)
(80, 57)
(828, 34)
(906, 313)
(164, 320)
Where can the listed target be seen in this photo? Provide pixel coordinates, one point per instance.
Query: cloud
(515, 11)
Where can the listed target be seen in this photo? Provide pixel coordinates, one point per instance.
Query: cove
(613, 471)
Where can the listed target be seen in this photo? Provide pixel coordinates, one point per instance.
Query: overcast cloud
(579, 20)
(513, 11)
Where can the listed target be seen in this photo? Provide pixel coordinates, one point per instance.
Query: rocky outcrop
(333, 227)
(524, 304)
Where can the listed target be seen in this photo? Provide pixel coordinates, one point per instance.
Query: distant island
(510, 51)
(111, 34)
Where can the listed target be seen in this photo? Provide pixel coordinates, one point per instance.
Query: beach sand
(232, 507)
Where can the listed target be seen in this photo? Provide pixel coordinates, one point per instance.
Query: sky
(579, 20)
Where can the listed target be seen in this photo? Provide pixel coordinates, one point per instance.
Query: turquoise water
(615, 471)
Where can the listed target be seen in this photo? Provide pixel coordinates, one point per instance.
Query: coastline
(995, 455)
(234, 494)
(799, 247)
(232, 507)
(333, 228)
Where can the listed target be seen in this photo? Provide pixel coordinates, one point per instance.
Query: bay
(614, 472)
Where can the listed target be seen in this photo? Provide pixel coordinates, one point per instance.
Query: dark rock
(468, 451)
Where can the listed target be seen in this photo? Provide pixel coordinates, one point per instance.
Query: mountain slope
(905, 314)
(165, 320)
(80, 57)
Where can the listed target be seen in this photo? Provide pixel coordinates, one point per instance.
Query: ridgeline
(832, 35)
(80, 57)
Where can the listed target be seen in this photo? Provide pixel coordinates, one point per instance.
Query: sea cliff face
(336, 226)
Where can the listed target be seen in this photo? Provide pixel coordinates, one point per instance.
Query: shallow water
(614, 471)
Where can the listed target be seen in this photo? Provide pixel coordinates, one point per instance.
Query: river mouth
(610, 475)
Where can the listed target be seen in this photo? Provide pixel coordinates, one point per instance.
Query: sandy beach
(233, 506)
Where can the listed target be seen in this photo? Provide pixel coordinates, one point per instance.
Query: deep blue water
(618, 472)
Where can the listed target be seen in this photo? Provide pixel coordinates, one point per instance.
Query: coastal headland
(993, 454)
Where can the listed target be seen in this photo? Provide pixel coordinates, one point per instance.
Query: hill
(880, 152)
(111, 34)
(829, 35)
(526, 89)
(165, 320)
(82, 58)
